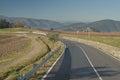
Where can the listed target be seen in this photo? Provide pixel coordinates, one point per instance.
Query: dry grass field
(10, 44)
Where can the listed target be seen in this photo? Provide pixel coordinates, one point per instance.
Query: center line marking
(91, 63)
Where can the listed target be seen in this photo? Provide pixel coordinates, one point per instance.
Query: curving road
(83, 62)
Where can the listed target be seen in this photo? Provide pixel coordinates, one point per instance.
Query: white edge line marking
(91, 64)
(53, 65)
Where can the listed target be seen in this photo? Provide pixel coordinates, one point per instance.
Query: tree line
(5, 24)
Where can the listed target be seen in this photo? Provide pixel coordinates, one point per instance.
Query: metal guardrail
(38, 66)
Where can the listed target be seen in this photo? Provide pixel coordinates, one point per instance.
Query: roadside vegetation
(43, 70)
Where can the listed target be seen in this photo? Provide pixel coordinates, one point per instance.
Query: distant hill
(73, 27)
(97, 26)
(34, 23)
(106, 25)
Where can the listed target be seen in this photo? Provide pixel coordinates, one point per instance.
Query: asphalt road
(83, 62)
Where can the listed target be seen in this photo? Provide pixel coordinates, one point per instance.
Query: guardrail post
(21, 77)
(43, 61)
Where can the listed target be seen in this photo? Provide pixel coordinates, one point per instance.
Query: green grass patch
(110, 40)
(50, 44)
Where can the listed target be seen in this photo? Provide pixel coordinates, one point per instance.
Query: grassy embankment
(42, 71)
(12, 72)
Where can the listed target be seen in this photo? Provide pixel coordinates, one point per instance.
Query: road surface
(83, 62)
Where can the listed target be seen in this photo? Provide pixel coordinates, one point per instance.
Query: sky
(62, 10)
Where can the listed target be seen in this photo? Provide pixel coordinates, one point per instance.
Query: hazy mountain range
(98, 26)
(34, 23)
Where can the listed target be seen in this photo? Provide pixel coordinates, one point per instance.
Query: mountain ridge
(106, 25)
(34, 23)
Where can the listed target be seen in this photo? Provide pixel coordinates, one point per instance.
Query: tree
(53, 36)
(4, 23)
(18, 24)
(51, 29)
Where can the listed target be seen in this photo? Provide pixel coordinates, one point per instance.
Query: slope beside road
(35, 48)
(83, 62)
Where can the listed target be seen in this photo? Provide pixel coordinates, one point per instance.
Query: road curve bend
(83, 62)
